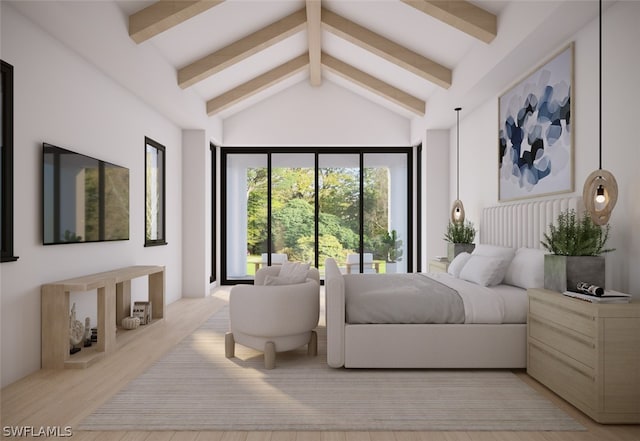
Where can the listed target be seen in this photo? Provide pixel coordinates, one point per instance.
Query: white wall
(436, 201)
(327, 115)
(621, 153)
(63, 100)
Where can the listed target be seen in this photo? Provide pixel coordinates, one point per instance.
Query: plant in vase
(576, 245)
(392, 250)
(460, 238)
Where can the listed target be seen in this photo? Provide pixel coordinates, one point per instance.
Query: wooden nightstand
(438, 266)
(587, 353)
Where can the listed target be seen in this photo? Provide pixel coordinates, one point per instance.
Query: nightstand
(438, 266)
(587, 353)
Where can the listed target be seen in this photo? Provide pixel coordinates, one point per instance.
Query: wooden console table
(114, 303)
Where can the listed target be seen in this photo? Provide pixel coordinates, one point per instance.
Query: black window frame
(6, 171)
(214, 211)
(162, 240)
(361, 151)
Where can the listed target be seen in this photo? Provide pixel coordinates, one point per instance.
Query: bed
(482, 339)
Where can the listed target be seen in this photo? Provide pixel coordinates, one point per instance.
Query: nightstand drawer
(573, 344)
(570, 382)
(564, 317)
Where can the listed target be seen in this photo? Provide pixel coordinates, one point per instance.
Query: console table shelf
(114, 303)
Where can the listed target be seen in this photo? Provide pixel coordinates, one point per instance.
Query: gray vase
(562, 273)
(454, 249)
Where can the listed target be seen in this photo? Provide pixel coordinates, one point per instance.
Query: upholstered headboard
(523, 224)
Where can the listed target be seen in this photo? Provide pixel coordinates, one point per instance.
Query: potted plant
(460, 238)
(392, 249)
(576, 245)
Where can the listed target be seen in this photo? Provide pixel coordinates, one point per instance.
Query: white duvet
(495, 304)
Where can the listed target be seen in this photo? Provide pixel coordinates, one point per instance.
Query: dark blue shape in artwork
(515, 134)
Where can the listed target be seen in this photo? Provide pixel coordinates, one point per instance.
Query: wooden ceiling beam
(387, 49)
(380, 88)
(242, 49)
(163, 15)
(258, 84)
(462, 15)
(314, 35)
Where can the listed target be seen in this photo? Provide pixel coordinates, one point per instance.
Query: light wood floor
(63, 398)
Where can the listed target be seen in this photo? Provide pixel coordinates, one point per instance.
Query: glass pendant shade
(600, 195)
(457, 212)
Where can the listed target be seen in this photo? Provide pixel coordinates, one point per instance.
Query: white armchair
(274, 318)
(369, 267)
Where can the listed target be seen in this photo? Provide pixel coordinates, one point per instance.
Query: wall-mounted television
(84, 199)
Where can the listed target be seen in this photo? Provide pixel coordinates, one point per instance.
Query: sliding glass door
(307, 205)
(339, 207)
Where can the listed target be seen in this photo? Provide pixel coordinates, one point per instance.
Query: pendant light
(600, 192)
(457, 210)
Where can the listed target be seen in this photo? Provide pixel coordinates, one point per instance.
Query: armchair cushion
(295, 272)
(280, 280)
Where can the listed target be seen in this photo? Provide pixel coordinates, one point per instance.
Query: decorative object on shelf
(600, 192)
(142, 310)
(535, 132)
(76, 331)
(576, 246)
(94, 335)
(87, 332)
(460, 238)
(457, 210)
(130, 322)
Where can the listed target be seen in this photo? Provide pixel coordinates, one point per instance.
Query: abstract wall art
(535, 133)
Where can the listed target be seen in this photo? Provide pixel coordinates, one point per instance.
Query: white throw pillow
(458, 263)
(296, 272)
(505, 254)
(277, 280)
(526, 269)
(483, 270)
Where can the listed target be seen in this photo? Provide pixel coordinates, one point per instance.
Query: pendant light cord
(600, 84)
(458, 109)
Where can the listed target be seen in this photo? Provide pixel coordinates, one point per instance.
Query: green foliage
(70, 236)
(293, 202)
(576, 237)
(392, 246)
(460, 233)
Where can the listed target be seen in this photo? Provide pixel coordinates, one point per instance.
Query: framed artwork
(535, 135)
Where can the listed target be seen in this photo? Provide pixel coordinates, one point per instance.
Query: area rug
(194, 387)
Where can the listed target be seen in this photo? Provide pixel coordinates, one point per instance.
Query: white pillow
(296, 272)
(505, 254)
(483, 270)
(526, 269)
(458, 263)
(277, 280)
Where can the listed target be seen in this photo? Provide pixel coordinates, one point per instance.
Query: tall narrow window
(214, 213)
(6, 164)
(154, 155)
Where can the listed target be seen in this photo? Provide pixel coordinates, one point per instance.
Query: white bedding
(494, 304)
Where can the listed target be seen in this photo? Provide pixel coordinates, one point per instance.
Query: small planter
(562, 273)
(456, 248)
(391, 267)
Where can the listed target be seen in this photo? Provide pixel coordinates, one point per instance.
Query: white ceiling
(98, 31)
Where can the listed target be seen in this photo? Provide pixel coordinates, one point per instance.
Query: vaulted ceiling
(236, 51)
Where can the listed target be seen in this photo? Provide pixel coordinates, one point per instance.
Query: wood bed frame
(435, 345)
